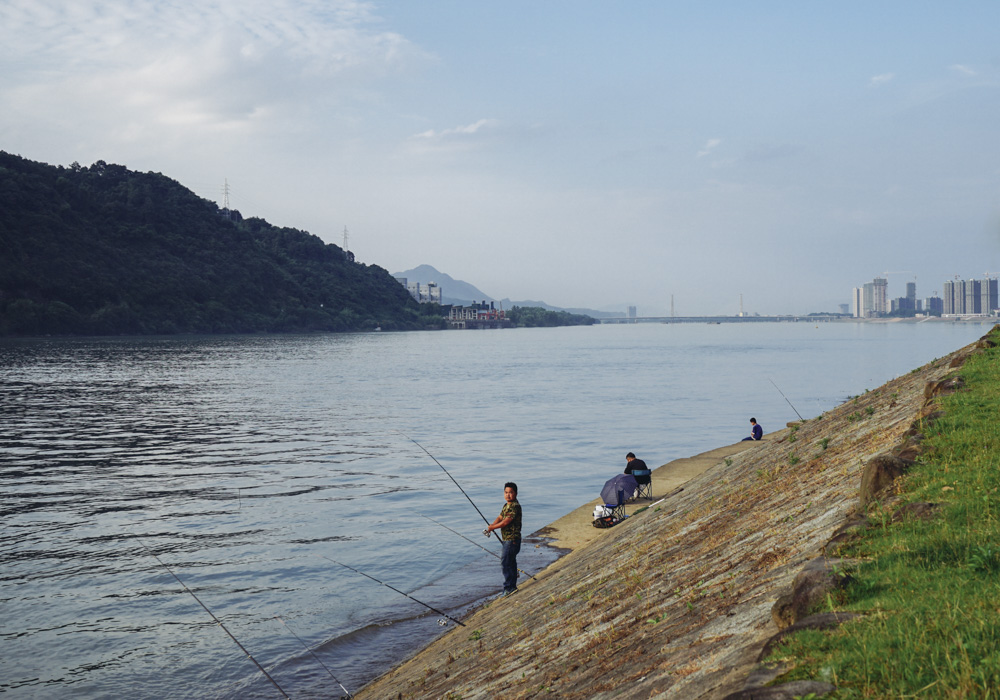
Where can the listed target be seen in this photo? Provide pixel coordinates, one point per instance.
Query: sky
(663, 154)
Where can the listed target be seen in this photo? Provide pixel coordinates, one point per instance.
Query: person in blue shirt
(756, 432)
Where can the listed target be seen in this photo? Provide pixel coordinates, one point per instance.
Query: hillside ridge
(104, 250)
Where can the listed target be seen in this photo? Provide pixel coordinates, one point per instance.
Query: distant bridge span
(724, 319)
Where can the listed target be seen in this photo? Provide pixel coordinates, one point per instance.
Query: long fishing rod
(390, 587)
(217, 620)
(786, 399)
(453, 480)
(347, 695)
(488, 551)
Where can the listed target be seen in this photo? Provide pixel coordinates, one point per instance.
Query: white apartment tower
(872, 299)
(858, 302)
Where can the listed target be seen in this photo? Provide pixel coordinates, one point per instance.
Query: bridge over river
(724, 319)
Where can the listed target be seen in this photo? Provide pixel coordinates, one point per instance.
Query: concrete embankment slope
(674, 602)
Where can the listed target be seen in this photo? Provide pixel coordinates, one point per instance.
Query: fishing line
(453, 480)
(488, 551)
(390, 587)
(348, 695)
(217, 620)
(786, 399)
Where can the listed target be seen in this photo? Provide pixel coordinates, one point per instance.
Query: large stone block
(818, 578)
(878, 477)
(948, 385)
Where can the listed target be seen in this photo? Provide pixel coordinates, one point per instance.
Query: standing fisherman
(509, 524)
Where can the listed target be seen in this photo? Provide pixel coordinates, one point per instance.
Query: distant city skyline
(960, 298)
(872, 296)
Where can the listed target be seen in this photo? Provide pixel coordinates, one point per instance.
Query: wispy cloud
(710, 146)
(882, 79)
(458, 131)
(965, 70)
(192, 63)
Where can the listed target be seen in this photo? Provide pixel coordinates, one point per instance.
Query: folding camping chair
(645, 482)
(616, 491)
(616, 510)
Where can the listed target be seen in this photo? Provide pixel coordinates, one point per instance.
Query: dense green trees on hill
(105, 250)
(535, 317)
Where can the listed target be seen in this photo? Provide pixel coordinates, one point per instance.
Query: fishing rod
(390, 587)
(488, 551)
(217, 620)
(453, 480)
(786, 399)
(347, 695)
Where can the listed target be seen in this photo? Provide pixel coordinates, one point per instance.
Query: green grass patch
(929, 590)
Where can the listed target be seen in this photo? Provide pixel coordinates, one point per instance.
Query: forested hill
(103, 250)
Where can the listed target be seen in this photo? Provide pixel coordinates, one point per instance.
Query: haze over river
(247, 464)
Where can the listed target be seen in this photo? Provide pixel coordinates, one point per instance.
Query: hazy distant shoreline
(987, 320)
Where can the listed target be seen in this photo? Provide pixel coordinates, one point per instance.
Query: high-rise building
(858, 302)
(868, 300)
(874, 298)
(988, 300)
(950, 298)
(970, 297)
(881, 299)
(973, 297)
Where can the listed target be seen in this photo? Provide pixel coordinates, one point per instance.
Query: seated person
(756, 432)
(632, 464)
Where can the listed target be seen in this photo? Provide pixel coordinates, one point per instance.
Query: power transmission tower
(225, 198)
(346, 249)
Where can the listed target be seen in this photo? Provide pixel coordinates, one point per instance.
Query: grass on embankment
(929, 590)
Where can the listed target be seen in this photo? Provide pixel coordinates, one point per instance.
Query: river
(245, 468)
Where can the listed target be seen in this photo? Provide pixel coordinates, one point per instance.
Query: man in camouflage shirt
(509, 524)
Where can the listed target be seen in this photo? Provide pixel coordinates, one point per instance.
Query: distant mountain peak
(421, 271)
(461, 293)
(453, 291)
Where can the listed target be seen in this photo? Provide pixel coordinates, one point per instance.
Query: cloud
(710, 146)
(877, 80)
(91, 33)
(202, 66)
(459, 131)
(963, 69)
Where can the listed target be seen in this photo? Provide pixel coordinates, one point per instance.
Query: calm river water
(247, 464)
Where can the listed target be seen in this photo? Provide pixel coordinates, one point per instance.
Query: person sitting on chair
(632, 464)
(756, 432)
